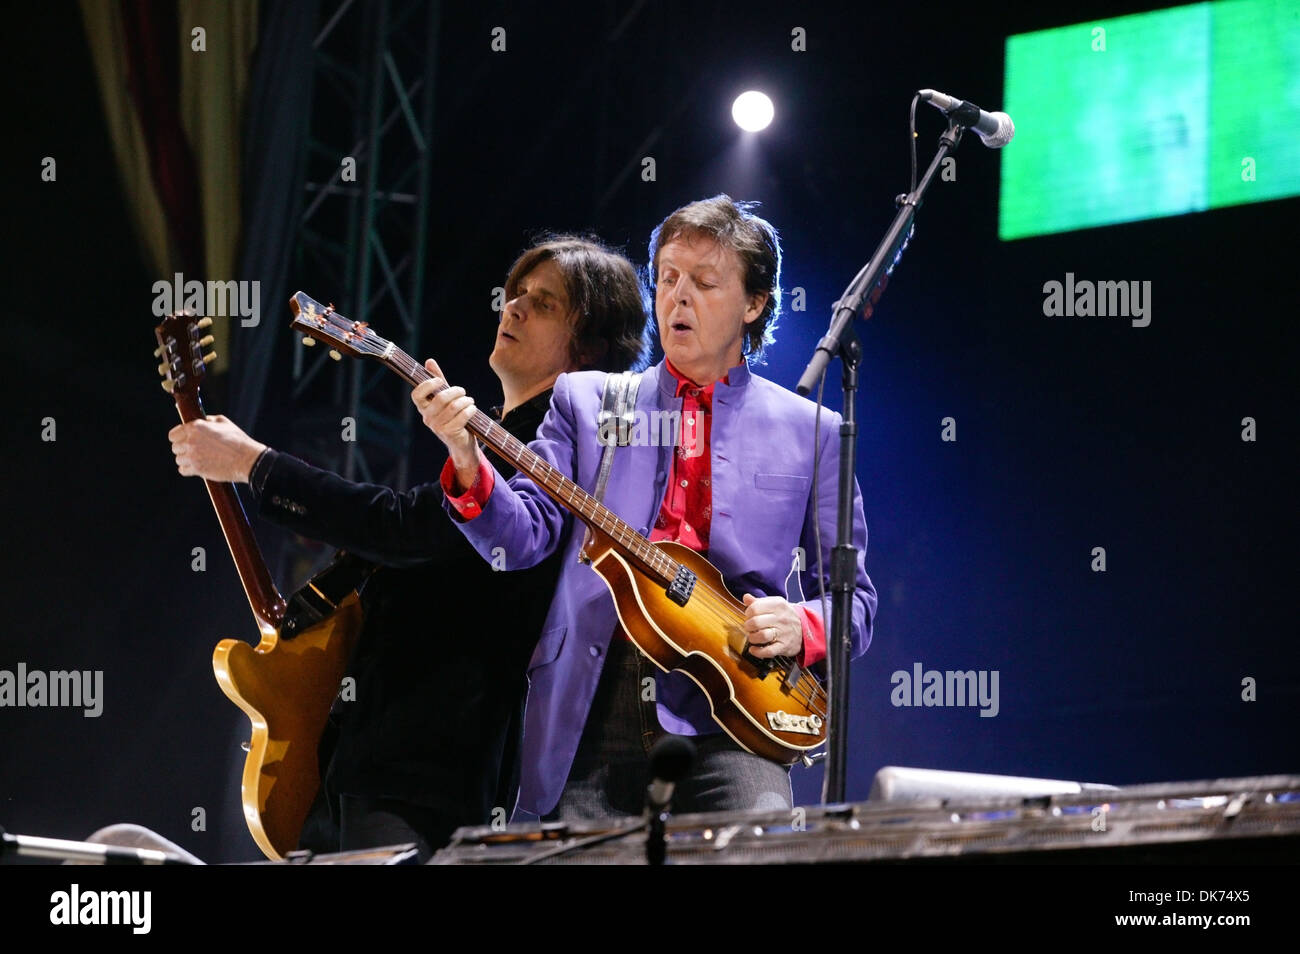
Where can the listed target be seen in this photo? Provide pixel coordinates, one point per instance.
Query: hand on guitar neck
(446, 411)
(214, 448)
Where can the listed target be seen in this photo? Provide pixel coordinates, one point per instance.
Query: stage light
(752, 111)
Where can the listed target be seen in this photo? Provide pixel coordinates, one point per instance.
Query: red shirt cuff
(471, 503)
(814, 638)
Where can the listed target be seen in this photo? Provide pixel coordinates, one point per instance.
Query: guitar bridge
(801, 725)
(679, 591)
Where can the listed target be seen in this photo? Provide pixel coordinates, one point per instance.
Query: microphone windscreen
(1002, 135)
(672, 757)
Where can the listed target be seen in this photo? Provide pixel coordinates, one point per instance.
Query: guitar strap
(614, 425)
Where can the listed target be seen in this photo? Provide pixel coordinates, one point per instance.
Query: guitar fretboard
(267, 604)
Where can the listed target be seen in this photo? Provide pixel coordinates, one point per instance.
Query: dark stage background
(1070, 434)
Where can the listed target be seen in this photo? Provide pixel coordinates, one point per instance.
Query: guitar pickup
(764, 666)
(679, 591)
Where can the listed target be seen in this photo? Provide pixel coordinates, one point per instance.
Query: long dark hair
(612, 332)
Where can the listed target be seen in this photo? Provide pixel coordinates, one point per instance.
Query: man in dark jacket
(429, 742)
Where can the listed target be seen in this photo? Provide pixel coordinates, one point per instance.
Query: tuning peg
(205, 323)
(167, 386)
(309, 341)
(157, 352)
(209, 357)
(335, 355)
(206, 340)
(162, 368)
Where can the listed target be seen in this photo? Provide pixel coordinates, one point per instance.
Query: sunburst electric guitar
(671, 601)
(285, 685)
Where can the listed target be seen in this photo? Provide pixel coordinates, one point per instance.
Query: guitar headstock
(181, 343)
(317, 322)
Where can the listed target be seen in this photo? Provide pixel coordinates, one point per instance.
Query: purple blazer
(761, 441)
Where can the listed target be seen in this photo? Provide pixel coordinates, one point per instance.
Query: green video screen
(1162, 113)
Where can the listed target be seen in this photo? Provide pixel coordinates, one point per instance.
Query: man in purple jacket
(737, 487)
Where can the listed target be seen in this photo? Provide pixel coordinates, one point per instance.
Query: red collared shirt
(687, 507)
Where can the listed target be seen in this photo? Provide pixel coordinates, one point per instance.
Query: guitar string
(806, 688)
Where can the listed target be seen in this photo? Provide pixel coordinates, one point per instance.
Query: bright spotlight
(752, 111)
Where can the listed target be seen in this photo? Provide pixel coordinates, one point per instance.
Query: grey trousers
(611, 769)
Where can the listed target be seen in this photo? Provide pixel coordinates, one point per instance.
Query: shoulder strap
(617, 413)
(614, 424)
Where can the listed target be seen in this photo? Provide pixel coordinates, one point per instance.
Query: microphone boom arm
(862, 294)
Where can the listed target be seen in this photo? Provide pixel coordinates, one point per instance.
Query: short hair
(734, 225)
(612, 329)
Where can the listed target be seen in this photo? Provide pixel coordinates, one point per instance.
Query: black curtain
(275, 146)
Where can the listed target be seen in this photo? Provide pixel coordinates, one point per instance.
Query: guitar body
(286, 684)
(286, 688)
(704, 640)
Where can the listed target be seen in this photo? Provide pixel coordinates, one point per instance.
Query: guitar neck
(263, 597)
(649, 559)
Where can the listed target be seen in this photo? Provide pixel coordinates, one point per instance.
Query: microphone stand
(862, 294)
(86, 852)
(656, 849)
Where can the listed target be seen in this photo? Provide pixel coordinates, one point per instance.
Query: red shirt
(687, 507)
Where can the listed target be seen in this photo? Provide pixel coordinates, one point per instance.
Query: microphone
(114, 845)
(670, 759)
(995, 129)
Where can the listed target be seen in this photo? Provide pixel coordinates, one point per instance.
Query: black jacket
(441, 663)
